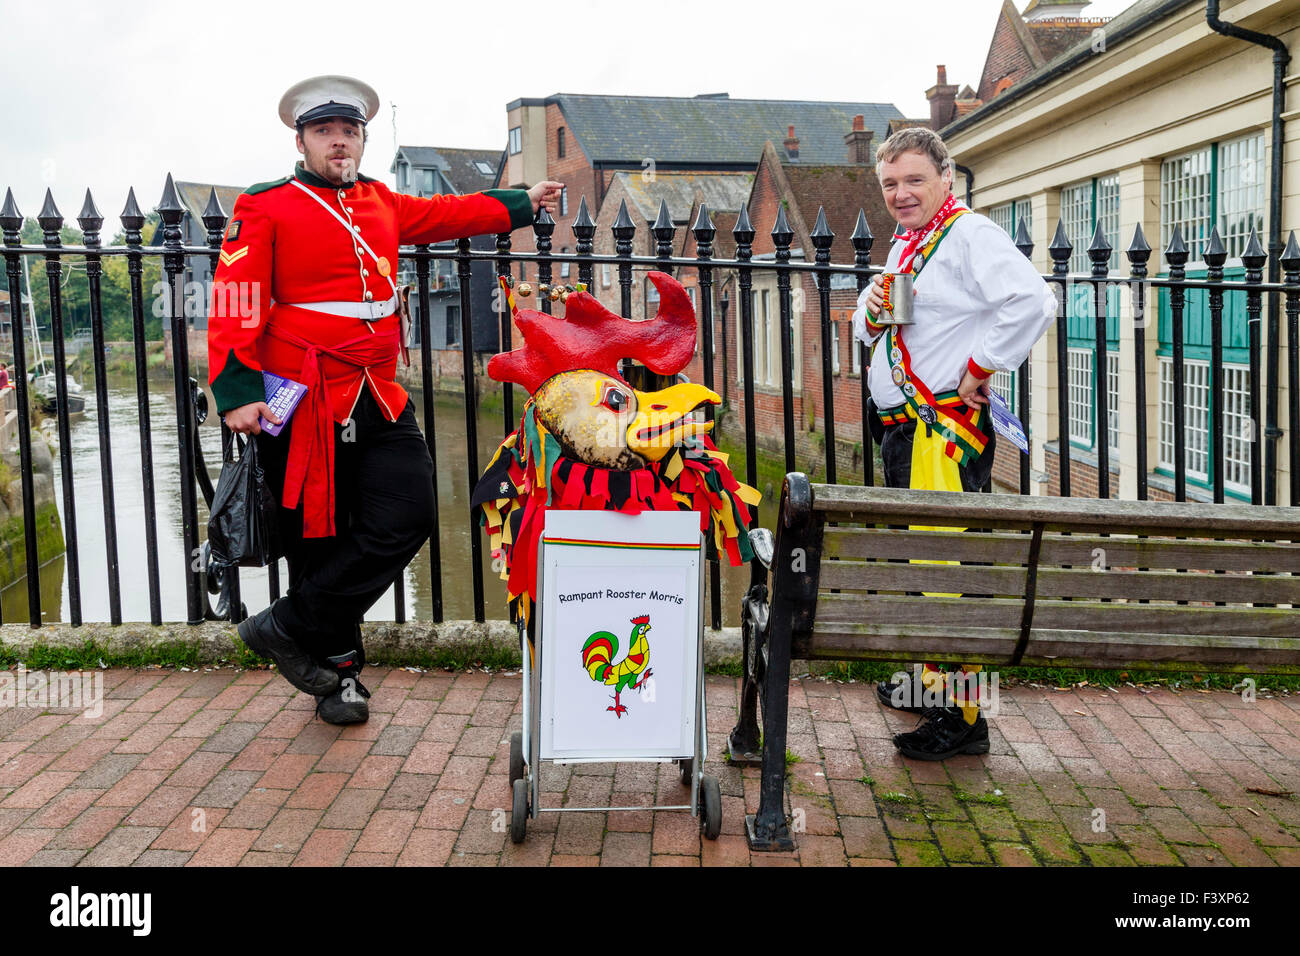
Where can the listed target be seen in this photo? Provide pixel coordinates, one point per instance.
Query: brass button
(365, 272)
(369, 296)
(349, 209)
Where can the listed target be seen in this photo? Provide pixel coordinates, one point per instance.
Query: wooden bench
(1070, 582)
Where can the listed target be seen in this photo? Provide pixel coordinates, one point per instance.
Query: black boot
(900, 695)
(264, 635)
(944, 733)
(347, 705)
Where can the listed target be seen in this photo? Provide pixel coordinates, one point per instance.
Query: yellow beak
(661, 418)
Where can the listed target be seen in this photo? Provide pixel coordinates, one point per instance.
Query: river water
(453, 507)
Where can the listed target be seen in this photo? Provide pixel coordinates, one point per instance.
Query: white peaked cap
(322, 96)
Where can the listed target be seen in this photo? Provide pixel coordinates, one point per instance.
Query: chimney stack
(943, 100)
(792, 144)
(858, 141)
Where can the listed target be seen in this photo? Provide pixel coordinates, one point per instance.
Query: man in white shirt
(979, 307)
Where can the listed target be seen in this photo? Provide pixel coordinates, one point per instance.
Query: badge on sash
(927, 414)
(896, 355)
(382, 265)
(897, 374)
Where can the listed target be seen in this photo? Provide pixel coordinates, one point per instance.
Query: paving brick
(257, 808)
(427, 757)
(22, 844)
(581, 834)
(315, 738)
(327, 848)
(287, 771)
(1173, 826)
(287, 831)
(960, 842)
(90, 827)
(397, 740)
(351, 809)
(189, 828)
(161, 806)
(1013, 854)
(198, 769)
(108, 770)
(915, 853)
(38, 791)
(425, 847)
(224, 847)
(1051, 842)
(132, 789)
(626, 849)
(1146, 846)
(376, 772)
(863, 837)
(169, 754)
(121, 847)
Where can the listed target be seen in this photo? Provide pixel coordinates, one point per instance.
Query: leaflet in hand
(1005, 423)
(283, 396)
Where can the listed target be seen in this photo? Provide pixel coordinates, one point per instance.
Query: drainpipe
(970, 182)
(1281, 59)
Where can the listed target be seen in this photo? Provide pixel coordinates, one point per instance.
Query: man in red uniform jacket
(304, 289)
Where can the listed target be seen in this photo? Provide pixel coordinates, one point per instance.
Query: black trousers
(896, 456)
(383, 514)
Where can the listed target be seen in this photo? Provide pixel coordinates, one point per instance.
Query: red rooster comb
(590, 336)
(643, 619)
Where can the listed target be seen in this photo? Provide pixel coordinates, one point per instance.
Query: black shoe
(264, 636)
(944, 733)
(898, 696)
(347, 705)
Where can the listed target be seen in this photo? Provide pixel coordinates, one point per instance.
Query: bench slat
(883, 576)
(1126, 552)
(934, 612)
(853, 503)
(1058, 549)
(1168, 586)
(1184, 620)
(865, 544)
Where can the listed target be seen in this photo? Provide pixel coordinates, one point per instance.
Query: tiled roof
(194, 197)
(712, 129)
(460, 166)
(720, 191)
(841, 190)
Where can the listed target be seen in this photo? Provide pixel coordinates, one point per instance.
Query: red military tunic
(282, 249)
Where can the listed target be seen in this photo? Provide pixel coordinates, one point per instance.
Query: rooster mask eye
(614, 398)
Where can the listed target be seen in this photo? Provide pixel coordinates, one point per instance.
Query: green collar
(304, 174)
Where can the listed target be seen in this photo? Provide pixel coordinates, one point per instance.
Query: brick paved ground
(227, 767)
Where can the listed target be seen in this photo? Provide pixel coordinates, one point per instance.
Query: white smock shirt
(977, 299)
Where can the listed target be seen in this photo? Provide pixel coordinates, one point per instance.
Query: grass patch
(868, 780)
(91, 655)
(986, 799)
(896, 797)
(791, 758)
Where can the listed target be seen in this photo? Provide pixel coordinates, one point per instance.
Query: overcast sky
(111, 95)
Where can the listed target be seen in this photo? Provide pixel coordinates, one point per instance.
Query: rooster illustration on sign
(631, 672)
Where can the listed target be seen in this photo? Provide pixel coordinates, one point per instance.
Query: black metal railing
(190, 404)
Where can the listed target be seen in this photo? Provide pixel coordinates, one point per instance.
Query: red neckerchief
(915, 239)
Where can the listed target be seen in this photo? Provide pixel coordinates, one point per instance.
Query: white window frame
(1186, 199)
(1237, 422)
(1241, 199)
(1080, 381)
(835, 347)
(516, 140)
